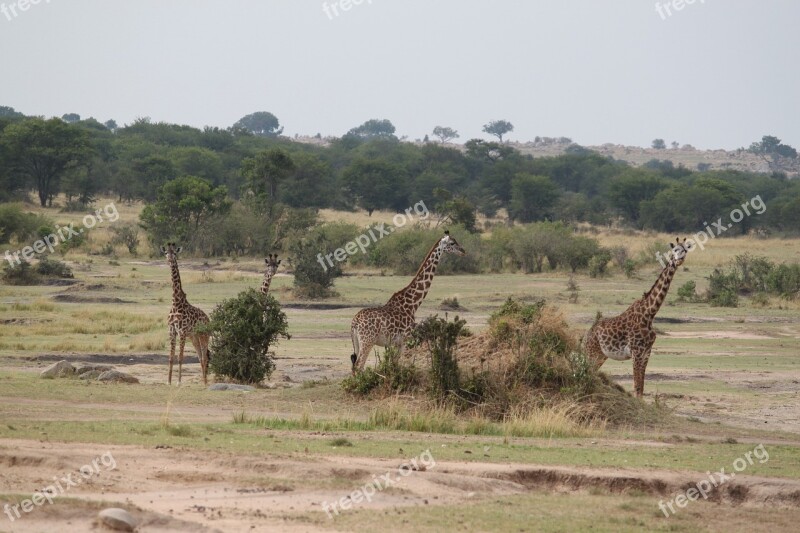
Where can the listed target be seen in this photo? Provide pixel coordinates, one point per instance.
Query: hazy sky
(716, 74)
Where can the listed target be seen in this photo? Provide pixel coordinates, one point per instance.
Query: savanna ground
(189, 459)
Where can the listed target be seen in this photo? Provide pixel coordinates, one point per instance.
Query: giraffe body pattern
(183, 319)
(630, 335)
(391, 324)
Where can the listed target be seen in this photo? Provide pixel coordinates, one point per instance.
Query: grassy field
(729, 378)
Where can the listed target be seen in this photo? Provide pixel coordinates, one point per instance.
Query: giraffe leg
(180, 357)
(201, 346)
(639, 365)
(171, 356)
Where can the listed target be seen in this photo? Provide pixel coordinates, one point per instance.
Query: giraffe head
(449, 245)
(171, 251)
(679, 251)
(272, 262)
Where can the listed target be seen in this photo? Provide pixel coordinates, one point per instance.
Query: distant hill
(687, 155)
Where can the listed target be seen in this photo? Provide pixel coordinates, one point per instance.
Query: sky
(714, 73)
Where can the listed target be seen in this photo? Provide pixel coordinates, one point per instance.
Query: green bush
(54, 269)
(784, 280)
(243, 329)
(127, 235)
(441, 336)
(687, 292)
(629, 268)
(598, 264)
(314, 279)
(21, 274)
(391, 374)
(18, 226)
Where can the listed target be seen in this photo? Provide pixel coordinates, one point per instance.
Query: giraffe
(272, 262)
(182, 320)
(630, 335)
(390, 324)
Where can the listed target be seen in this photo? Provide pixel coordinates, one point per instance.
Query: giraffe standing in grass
(392, 323)
(183, 319)
(630, 335)
(272, 262)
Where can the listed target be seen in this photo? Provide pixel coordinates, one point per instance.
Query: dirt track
(179, 490)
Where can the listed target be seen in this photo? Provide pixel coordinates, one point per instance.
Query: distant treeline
(369, 168)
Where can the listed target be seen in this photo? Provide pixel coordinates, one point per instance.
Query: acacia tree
(772, 147)
(445, 134)
(498, 128)
(262, 123)
(380, 128)
(44, 150)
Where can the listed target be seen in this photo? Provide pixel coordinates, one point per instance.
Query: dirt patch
(72, 298)
(320, 306)
(740, 335)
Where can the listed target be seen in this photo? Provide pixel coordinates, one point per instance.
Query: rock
(93, 368)
(90, 375)
(57, 370)
(231, 386)
(114, 376)
(118, 519)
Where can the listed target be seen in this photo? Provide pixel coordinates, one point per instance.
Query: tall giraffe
(631, 335)
(390, 324)
(272, 262)
(183, 319)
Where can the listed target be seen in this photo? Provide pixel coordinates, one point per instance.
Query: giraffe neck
(658, 292)
(266, 283)
(178, 296)
(410, 298)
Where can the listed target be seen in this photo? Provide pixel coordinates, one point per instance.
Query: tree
(445, 134)
(182, 207)
(10, 112)
(772, 147)
(262, 123)
(374, 128)
(44, 150)
(263, 174)
(498, 128)
(71, 118)
(532, 198)
(376, 184)
(111, 124)
(628, 190)
(456, 209)
(659, 144)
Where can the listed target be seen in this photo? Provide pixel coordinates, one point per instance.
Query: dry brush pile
(527, 361)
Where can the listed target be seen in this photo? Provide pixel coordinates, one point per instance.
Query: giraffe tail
(354, 355)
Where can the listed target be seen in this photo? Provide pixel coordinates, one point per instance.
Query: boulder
(57, 370)
(90, 375)
(92, 368)
(114, 376)
(117, 519)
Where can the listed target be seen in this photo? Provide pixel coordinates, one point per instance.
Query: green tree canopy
(262, 123)
(498, 128)
(532, 198)
(43, 150)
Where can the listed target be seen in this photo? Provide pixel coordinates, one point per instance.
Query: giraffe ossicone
(630, 335)
(183, 319)
(391, 324)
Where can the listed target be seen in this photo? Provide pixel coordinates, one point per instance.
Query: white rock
(57, 370)
(118, 519)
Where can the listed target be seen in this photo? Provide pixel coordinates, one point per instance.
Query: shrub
(723, 288)
(313, 279)
(784, 280)
(440, 337)
(391, 374)
(54, 269)
(18, 226)
(629, 268)
(243, 328)
(20, 274)
(127, 235)
(687, 292)
(599, 263)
